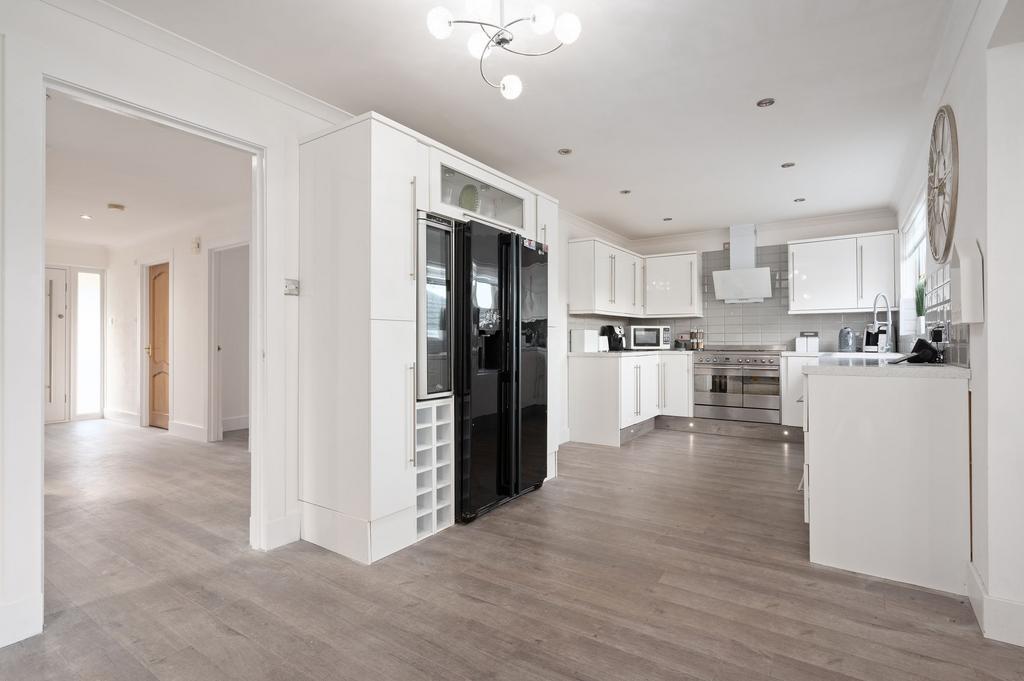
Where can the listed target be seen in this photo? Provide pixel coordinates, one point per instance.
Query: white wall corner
(21, 619)
(187, 431)
(234, 423)
(279, 531)
(1000, 619)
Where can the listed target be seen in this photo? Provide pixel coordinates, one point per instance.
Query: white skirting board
(129, 417)
(229, 423)
(336, 532)
(187, 431)
(552, 465)
(279, 531)
(1000, 619)
(21, 619)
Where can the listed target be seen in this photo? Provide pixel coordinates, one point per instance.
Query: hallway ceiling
(166, 178)
(657, 97)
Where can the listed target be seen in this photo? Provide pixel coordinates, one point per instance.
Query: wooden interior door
(158, 350)
(56, 384)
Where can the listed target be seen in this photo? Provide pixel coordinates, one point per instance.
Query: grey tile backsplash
(767, 323)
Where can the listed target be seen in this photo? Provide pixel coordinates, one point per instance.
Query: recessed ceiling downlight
(115, 206)
(564, 151)
(625, 192)
(799, 200)
(766, 102)
(85, 216)
(666, 219)
(788, 164)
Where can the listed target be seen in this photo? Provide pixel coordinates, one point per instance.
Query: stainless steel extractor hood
(743, 282)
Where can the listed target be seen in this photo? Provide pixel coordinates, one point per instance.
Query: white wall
(233, 336)
(71, 254)
(1004, 575)
(95, 47)
(189, 320)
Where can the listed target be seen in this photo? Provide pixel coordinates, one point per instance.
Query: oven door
(761, 388)
(434, 299)
(718, 386)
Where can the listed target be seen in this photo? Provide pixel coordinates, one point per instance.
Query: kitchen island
(887, 469)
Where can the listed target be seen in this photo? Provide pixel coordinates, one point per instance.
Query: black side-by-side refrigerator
(500, 368)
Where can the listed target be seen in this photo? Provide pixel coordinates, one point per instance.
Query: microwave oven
(649, 338)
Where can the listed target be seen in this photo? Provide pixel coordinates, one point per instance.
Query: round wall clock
(943, 172)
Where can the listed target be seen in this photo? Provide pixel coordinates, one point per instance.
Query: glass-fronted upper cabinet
(466, 192)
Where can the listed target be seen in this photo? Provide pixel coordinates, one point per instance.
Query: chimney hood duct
(743, 282)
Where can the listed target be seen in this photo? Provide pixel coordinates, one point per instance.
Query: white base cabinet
(611, 391)
(791, 389)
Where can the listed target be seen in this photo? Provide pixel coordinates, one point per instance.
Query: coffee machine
(616, 337)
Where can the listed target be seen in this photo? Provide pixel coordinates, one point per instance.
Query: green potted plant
(919, 305)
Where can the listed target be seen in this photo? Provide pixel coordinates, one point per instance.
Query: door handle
(149, 350)
(792, 277)
(634, 284)
(860, 275)
(415, 233)
(614, 282)
(639, 390)
(693, 284)
(544, 229)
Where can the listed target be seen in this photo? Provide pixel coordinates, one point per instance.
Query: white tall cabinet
(376, 469)
(360, 188)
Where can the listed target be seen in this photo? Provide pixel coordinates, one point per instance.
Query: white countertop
(622, 353)
(794, 353)
(834, 364)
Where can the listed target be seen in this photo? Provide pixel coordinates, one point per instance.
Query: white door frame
(215, 415)
(143, 335)
(257, 275)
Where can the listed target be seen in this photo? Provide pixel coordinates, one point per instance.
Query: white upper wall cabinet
(876, 256)
(547, 220)
(672, 285)
(463, 191)
(605, 279)
(842, 274)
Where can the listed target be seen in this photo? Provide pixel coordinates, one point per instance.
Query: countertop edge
(929, 371)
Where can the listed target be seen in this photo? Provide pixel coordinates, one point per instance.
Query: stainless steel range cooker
(737, 383)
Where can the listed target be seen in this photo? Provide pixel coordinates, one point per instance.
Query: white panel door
(392, 414)
(650, 386)
(676, 385)
(823, 275)
(670, 285)
(604, 277)
(876, 258)
(629, 391)
(55, 387)
(398, 182)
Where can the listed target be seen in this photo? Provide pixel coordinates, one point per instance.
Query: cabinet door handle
(544, 229)
(643, 276)
(636, 390)
(415, 233)
(611, 278)
(792, 277)
(692, 283)
(860, 275)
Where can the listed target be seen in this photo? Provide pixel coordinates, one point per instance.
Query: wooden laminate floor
(680, 556)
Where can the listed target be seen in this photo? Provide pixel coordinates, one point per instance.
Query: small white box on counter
(807, 341)
(584, 340)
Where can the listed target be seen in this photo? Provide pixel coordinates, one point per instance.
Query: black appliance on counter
(616, 337)
(500, 369)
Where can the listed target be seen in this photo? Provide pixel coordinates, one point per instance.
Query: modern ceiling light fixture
(566, 26)
(788, 164)
(625, 192)
(564, 151)
(799, 200)
(766, 102)
(85, 216)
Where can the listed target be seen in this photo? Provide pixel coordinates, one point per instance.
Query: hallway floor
(680, 556)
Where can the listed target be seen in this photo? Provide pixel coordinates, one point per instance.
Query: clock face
(943, 171)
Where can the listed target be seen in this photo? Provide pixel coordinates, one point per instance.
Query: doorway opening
(136, 208)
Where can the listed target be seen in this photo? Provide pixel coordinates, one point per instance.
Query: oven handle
(766, 373)
(717, 371)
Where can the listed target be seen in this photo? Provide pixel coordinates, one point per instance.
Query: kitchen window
(914, 264)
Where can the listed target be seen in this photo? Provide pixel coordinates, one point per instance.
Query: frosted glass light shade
(511, 86)
(479, 45)
(439, 22)
(543, 20)
(567, 28)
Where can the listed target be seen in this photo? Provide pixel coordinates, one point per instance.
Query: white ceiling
(657, 95)
(166, 178)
